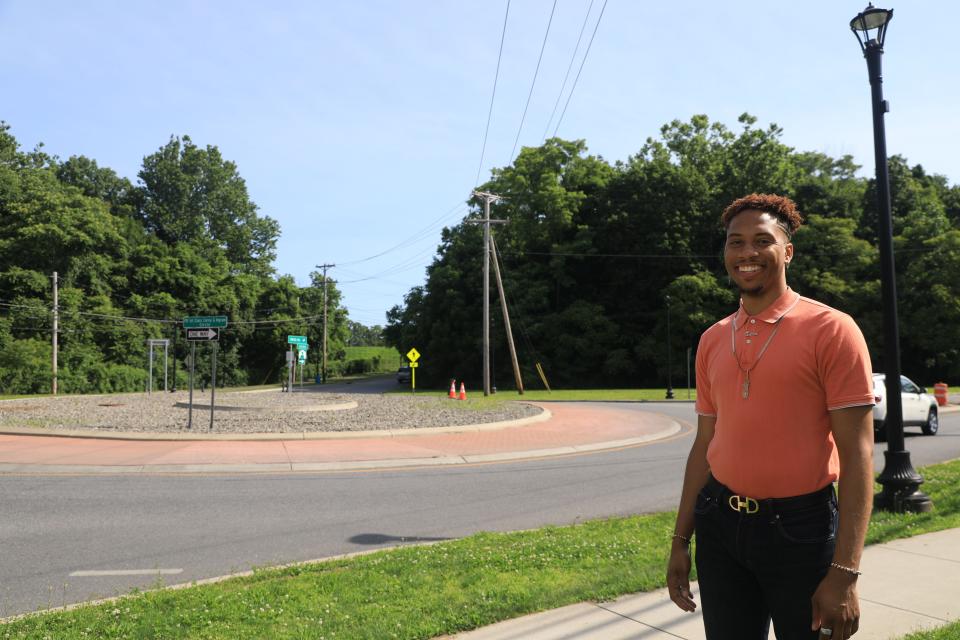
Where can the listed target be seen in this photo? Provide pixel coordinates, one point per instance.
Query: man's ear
(788, 253)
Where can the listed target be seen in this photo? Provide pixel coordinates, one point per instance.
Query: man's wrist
(849, 571)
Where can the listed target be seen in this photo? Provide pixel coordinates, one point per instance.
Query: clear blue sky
(358, 125)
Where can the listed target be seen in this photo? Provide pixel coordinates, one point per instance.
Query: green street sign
(297, 340)
(204, 322)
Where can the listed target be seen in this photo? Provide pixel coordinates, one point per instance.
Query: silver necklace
(733, 348)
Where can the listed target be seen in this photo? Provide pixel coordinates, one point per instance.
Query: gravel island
(252, 412)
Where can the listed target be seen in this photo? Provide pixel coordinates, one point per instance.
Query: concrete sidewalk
(907, 585)
(563, 429)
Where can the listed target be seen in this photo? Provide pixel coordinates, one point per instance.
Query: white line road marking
(126, 572)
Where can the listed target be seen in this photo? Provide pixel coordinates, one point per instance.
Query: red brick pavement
(572, 427)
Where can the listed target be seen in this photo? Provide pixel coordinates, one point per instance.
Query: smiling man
(784, 397)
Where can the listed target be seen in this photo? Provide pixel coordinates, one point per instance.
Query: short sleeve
(844, 364)
(705, 405)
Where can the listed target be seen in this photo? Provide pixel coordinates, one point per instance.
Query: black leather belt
(748, 505)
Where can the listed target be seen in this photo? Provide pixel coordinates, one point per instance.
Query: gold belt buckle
(743, 504)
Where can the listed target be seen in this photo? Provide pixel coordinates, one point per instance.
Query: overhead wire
(410, 263)
(533, 83)
(566, 76)
(419, 235)
(582, 62)
(493, 95)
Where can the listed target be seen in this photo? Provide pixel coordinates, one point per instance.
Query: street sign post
(203, 335)
(202, 322)
(301, 343)
(413, 355)
(158, 342)
(203, 329)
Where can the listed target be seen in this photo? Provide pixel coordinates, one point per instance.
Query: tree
(592, 249)
(193, 195)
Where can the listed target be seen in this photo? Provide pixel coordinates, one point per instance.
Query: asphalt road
(193, 527)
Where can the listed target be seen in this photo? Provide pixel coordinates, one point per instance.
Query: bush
(357, 367)
(25, 366)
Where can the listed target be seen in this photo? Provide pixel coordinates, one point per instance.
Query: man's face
(756, 253)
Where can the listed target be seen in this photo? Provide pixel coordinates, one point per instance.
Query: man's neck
(754, 304)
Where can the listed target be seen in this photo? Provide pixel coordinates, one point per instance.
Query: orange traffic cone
(453, 389)
(463, 391)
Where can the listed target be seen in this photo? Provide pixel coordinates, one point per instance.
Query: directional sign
(414, 365)
(297, 340)
(203, 334)
(413, 355)
(201, 322)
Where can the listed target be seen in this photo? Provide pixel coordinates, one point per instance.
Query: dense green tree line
(592, 250)
(133, 259)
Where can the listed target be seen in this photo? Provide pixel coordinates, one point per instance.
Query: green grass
(599, 395)
(560, 395)
(385, 353)
(412, 592)
(946, 632)
(941, 482)
(389, 358)
(421, 592)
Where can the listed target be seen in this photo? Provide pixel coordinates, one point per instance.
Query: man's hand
(678, 576)
(836, 607)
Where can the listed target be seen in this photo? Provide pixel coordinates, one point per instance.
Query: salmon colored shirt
(777, 442)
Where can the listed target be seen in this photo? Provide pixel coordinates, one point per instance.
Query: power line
(566, 76)
(422, 233)
(496, 76)
(534, 83)
(104, 316)
(410, 263)
(582, 62)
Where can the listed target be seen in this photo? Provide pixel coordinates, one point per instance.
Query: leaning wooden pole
(506, 317)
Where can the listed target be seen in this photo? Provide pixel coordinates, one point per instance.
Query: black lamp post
(669, 350)
(899, 479)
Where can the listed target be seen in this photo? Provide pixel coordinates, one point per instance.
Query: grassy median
(426, 591)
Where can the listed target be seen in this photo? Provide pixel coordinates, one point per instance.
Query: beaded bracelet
(684, 538)
(853, 572)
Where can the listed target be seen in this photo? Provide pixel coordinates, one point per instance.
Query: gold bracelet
(684, 538)
(853, 572)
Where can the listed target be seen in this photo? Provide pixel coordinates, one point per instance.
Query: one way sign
(203, 334)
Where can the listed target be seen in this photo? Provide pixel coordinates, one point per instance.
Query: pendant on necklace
(746, 387)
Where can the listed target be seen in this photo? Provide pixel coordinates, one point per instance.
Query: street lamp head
(870, 27)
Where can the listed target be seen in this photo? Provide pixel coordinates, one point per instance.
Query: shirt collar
(779, 308)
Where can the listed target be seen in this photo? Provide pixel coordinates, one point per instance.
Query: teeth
(749, 267)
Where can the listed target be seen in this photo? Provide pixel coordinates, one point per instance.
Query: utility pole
(56, 329)
(506, 318)
(487, 199)
(323, 369)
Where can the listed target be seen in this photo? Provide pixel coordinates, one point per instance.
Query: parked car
(919, 407)
(404, 374)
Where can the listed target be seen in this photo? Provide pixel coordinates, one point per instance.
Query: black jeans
(762, 559)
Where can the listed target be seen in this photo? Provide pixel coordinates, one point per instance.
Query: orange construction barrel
(940, 393)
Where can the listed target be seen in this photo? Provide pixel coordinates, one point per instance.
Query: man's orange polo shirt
(777, 442)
